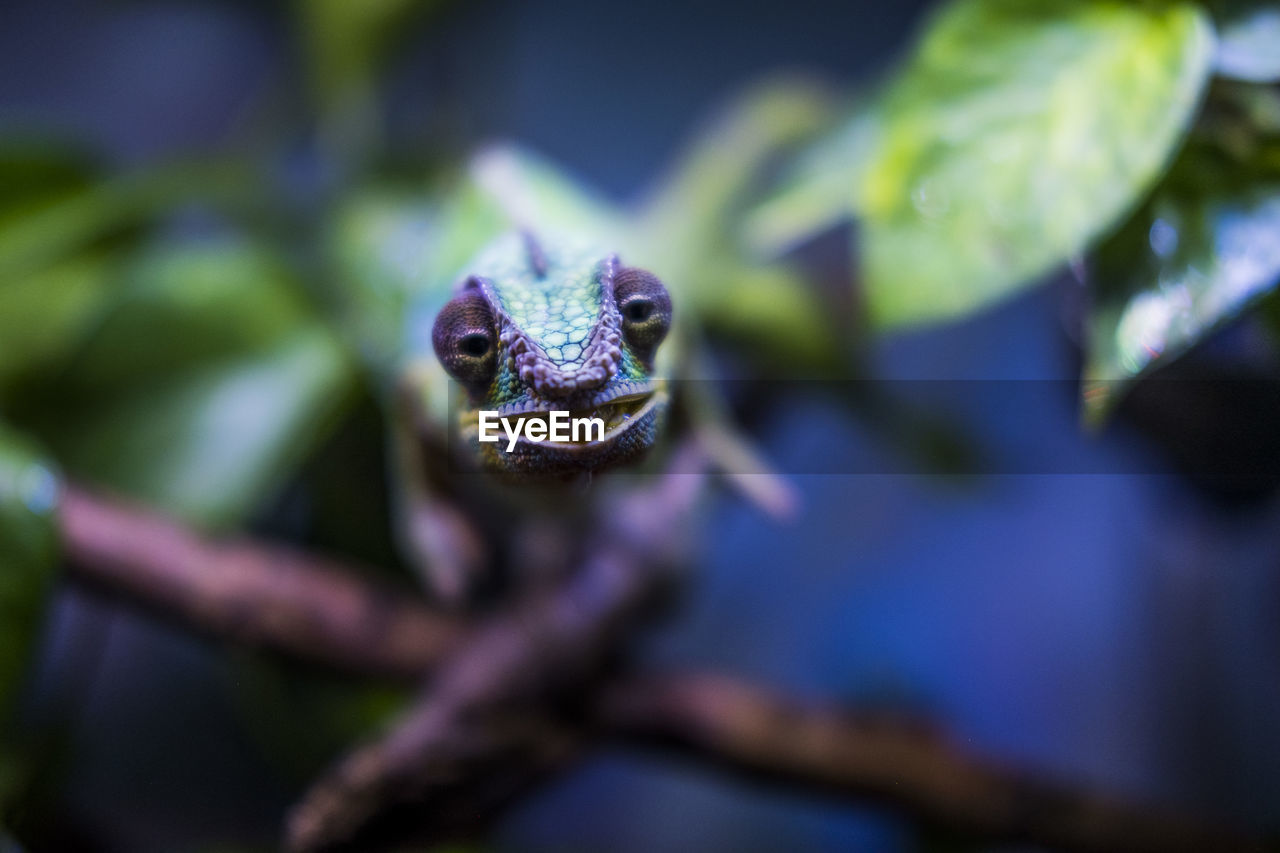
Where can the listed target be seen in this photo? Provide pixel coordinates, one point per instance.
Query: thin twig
(250, 593)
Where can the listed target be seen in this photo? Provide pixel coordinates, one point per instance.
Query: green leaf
(208, 380)
(346, 46)
(1203, 248)
(63, 235)
(28, 558)
(699, 202)
(44, 309)
(1248, 41)
(1242, 111)
(531, 191)
(47, 312)
(55, 226)
(345, 42)
(380, 243)
(776, 312)
(690, 231)
(36, 171)
(1017, 134)
(817, 190)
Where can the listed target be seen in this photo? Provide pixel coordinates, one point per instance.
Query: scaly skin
(562, 343)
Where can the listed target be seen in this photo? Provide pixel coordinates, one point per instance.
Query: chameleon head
(535, 330)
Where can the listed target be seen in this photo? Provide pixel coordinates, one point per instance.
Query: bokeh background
(1119, 630)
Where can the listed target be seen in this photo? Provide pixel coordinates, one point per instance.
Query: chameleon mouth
(618, 415)
(630, 422)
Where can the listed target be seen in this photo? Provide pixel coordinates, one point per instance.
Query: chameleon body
(511, 291)
(520, 319)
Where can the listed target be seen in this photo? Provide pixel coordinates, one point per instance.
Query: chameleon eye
(638, 309)
(464, 339)
(645, 306)
(474, 345)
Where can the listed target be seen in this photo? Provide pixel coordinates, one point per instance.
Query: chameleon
(507, 286)
(514, 293)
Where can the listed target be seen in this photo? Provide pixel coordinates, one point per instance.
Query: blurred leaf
(689, 231)
(60, 246)
(1016, 135)
(397, 250)
(698, 203)
(46, 312)
(34, 172)
(346, 46)
(774, 310)
(532, 192)
(381, 244)
(345, 41)
(28, 559)
(54, 226)
(43, 310)
(817, 191)
(210, 377)
(1248, 41)
(1198, 252)
(1238, 112)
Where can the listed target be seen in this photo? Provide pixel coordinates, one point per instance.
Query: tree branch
(486, 729)
(907, 767)
(253, 594)
(459, 733)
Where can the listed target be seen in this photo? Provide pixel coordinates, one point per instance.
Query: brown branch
(459, 733)
(250, 593)
(461, 749)
(909, 768)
